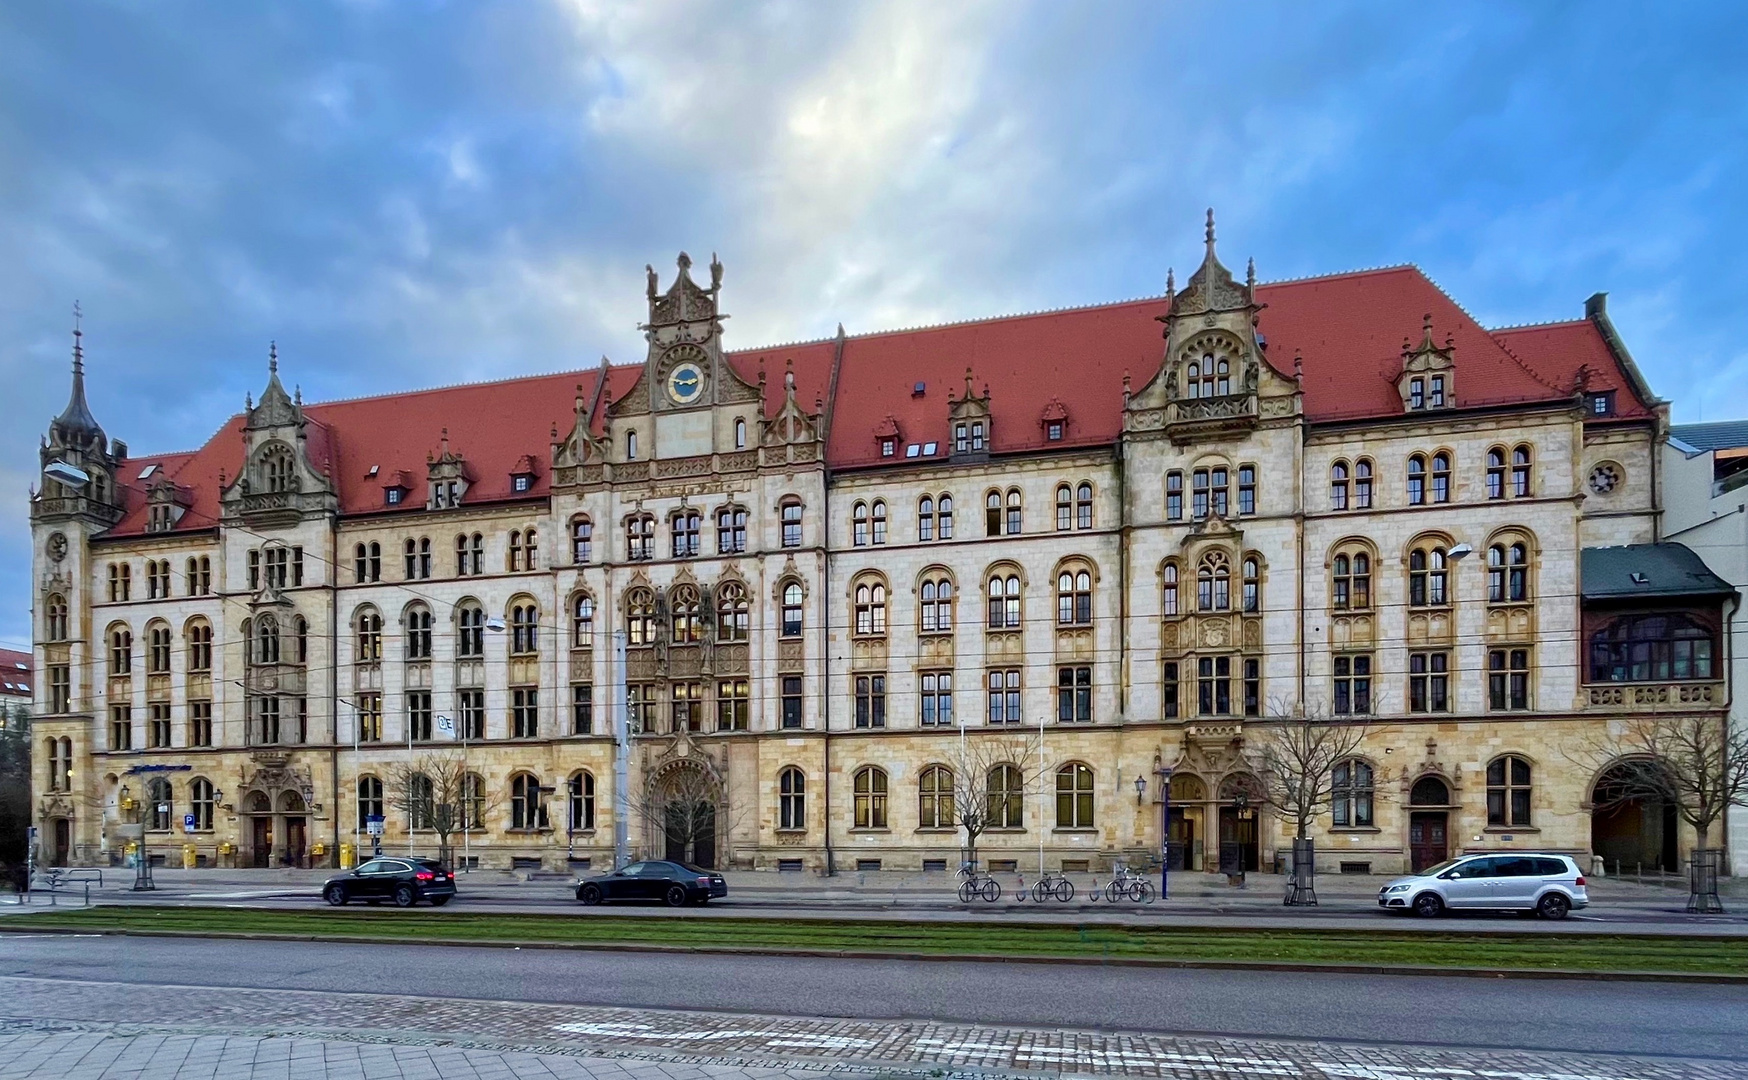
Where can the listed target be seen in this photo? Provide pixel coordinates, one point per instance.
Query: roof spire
(1250, 275)
(273, 358)
(1210, 234)
(78, 350)
(76, 424)
(1170, 282)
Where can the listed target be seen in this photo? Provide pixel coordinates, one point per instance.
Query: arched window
(731, 530)
(1338, 480)
(160, 804)
(732, 618)
(1508, 572)
(879, 521)
(684, 526)
(1064, 507)
(266, 640)
(685, 615)
(1428, 577)
(198, 633)
(740, 434)
(1520, 471)
(1252, 585)
(1193, 379)
(1652, 648)
(640, 617)
(1005, 797)
(201, 803)
(934, 790)
(158, 649)
(368, 625)
(421, 801)
(1083, 506)
(944, 517)
(1214, 582)
(473, 800)
(1074, 796)
(121, 651)
(55, 617)
(418, 632)
(631, 446)
(1417, 480)
(859, 525)
(580, 792)
(1351, 582)
(582, 621)
(1362, 484)
(513, 554)
(936, 609)
(791, 799)
(582, 539)
(278, 472)
(471, 620)
(640, 537)
(870, 798)
(1496, 473)
(871, 608)
(1004, 602)
(1168, 604)
(925, 518)
(791, 609)
(1013, 526)
(524, 617)
(1074, 598)
(369, 801)
(992, 514)
(527, 808)
(1351, 802)
(1441, 477)
(1508, 792)
(791, 513)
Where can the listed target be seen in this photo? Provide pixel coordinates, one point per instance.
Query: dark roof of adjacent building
(15, 678)
(1723, 435)
(1668, 569)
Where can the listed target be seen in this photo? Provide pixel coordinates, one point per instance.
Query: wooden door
(63, 841)
(1183, 839)
(261, 851)
(1427, 842)
(294, 841)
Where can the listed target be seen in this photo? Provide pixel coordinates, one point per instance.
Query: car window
(389, 866)
(1516, 866)
(655, 869)
(633, 870)
(1552, 868)
(374, 866)
(1475, 868)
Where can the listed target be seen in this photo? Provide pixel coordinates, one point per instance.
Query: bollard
(348, 856)
(189, 858)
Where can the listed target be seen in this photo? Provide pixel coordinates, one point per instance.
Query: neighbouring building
(1141, 528)
(15, 688)
(1706, 508)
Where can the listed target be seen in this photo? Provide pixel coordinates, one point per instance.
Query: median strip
(1593, 955)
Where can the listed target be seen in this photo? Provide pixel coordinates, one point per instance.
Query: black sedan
(673, 882)
(406, 881)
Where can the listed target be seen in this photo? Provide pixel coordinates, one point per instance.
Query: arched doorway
(61, 841)
(1428, 829)
(1632, 827)
(259, 811)
(1240, 804)
(291, 811)
(1188, 793)
(683, 814)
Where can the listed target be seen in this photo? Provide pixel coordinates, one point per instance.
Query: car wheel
(589, 894)
(1553, 906)
(336, 895)
(677, 896)
(405, 896)
(439, 901)
(1428, 905)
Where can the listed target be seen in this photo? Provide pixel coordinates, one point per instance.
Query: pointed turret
(76, 426)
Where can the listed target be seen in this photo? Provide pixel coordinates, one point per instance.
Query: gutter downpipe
(825, 621)
(333, 687)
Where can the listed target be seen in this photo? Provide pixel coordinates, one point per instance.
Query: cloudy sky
(416, 193)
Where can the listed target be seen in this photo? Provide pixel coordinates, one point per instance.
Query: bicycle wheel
(991, 890)
(1064, 890)
(967, 889)
(1116, 891)
(1041, 891)
(1147, 891)
(1136, 890)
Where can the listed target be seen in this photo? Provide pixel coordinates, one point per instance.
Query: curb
(867, 954)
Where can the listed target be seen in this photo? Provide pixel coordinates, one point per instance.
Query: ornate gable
(971, 422)
(1429, 372)
(278, 479)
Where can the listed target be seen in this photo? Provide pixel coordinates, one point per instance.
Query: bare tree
(982, 801)
(686, 803)
(1698, 764)
(437, 792)
(1297, 751)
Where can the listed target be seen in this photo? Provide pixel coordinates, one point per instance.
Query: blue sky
(408, 194)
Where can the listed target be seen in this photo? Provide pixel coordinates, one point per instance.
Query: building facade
(1076, 548)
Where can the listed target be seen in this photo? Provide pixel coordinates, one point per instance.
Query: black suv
(675, 882)
(406, 881)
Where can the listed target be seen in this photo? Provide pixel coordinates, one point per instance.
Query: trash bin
(348, 856)
(190, 859)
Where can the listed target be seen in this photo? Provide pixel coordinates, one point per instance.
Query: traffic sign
(188, 823)
(373, 824)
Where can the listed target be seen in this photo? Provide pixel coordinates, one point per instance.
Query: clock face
(1604, 478)
(685, 383)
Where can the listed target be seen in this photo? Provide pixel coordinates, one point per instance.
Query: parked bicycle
(1053, 885)
(1126, 884)
(974, 883)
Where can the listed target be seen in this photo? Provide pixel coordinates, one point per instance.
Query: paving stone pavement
(93, 1030)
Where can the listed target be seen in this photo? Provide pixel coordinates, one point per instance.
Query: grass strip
(1637, 954)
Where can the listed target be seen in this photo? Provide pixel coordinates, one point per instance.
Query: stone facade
(776, 615)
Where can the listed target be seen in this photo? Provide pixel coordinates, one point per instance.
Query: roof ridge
(1516, 359)
(458, 386)
(1537, 325)
(1343, 273)
(1037, 313)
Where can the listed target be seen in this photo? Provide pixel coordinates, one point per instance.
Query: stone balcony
(1653, 697)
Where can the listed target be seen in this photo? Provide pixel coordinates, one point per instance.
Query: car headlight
(1396, 888)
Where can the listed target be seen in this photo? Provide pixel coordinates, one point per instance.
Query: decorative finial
(1298, 364)
(297, 394)
(78, 347)
(968, 382)
(273, 357)
(684, 261)
(1210, 234)
(1250, 274)
(650, 271)
(715, 273)
(1170, 282)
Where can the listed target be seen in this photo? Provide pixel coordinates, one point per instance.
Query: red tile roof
(1348, 328)
(15, 670)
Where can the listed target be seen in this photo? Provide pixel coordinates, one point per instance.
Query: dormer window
(1053, 431)
(445, 494)
(1417, 393)
(977, 436)
(1602, 403)
(1437, 397)
(888, 447)
(394, 495)
(961, 438)
(521, 482)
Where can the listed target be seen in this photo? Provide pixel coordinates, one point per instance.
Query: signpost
(188, 823)
(373, 826)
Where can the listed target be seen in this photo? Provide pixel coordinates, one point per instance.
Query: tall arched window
(791, 513)
(1064, 507)
(1005, 797)
(1214, 582)
(267, 640)
(992, 514)
(158, 649)
(1004, 602)
(879, 521)
(791, 799)
(640, 617)
(1074, 796)
(300, 639)
(934, 789)
(1168, 604)
(732, 618)
(731, 530)
(470, 620)
(1074, 598)
(1428, 576)
(1351, 803)
(1083, 506)
(473, 800)
(640, 537)
(1338, 480)
(55, 617)
(527, 808)
(1362, 484)
(936, 609)
(925, 518)
(582, 539)
(524, 618)
(418, 632)
(582, 621)
(1417, 480)
(1520, 471)
(160, 805)
(1014, 519)
(580, 796)
(201, 803)
(1351, 581)
(684, 526)
(369, 800)
(121, 651)
(1496, 473)
(791, 619)
(421, 798)
(944, 517)
(870, 798)
(198, 633)
(685, 615)
(1441, 477)
(1252, 584)
(871, 608)
(278, 472)
(859, 525)
(1508, 792)
(368, 625)
(1508, 572)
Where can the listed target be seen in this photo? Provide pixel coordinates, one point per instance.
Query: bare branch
(1297, 751)
(437, 792)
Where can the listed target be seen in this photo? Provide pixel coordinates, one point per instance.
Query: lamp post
(1164, 773)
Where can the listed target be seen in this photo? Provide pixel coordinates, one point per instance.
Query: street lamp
(70, 475)
(1140, 789)
(1163, 771)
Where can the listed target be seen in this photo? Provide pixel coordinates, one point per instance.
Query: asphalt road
(1528, 1014)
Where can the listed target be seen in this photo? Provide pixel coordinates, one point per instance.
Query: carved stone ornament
(57, 546)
